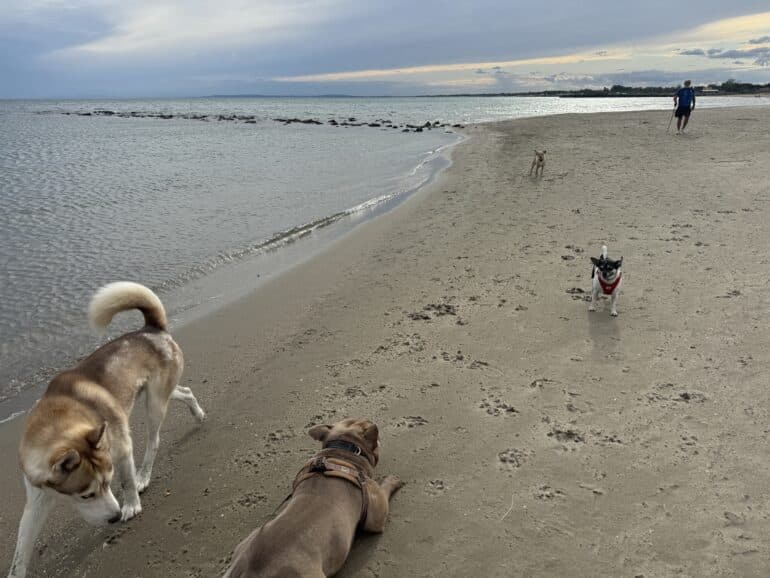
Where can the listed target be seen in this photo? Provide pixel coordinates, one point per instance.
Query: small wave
(275, 242)
(298, 232)
(13, 416)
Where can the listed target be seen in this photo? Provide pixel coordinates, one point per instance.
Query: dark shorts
(682, 111)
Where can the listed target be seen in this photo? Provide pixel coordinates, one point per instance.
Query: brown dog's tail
(123, 296)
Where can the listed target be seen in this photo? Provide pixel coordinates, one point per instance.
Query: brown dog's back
(311, 536)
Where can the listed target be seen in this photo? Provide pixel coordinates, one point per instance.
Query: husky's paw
(614, 313)
(592, 307)
(142, 480)
(199, 414)
(130, 510)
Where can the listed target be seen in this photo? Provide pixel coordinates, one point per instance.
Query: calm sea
(180, 203)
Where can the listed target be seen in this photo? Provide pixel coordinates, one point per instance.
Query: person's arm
(692, 106)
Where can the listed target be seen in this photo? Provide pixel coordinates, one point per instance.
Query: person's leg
(686, 118)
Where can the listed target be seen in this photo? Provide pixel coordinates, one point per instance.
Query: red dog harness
(608, 288)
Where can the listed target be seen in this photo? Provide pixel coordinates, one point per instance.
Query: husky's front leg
(36, 510)
(123, 450)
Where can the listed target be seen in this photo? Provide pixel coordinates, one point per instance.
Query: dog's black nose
(115, 518)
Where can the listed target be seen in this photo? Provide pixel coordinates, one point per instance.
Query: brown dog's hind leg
(379, 495)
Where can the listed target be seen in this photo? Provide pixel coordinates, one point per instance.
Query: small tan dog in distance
(333, 495)
(79, 429)
(538, 163)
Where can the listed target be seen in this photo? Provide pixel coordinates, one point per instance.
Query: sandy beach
(535, 438)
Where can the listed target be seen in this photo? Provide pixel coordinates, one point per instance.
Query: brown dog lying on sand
(334, 493)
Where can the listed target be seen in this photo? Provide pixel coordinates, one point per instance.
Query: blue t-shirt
(685, 96)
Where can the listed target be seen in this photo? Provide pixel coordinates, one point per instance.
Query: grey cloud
(378, 34)
(760, 40)
(668, 78)
(760, 55)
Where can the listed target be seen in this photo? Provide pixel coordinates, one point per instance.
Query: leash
(670, 119)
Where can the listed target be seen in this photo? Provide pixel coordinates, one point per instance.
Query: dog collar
(343, 445)
(608, 288)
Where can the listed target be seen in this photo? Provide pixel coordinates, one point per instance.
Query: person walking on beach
(685, 103)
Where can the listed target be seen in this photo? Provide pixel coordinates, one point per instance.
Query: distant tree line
(730, 86)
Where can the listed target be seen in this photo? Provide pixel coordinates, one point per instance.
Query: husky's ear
(320, 432)
(595, 261)
(619, 263)
(543, 151)
(96, 437)
(66, 462)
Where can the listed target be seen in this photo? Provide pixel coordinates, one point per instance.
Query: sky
(177, 48)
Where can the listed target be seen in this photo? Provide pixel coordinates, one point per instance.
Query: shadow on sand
(604, 331)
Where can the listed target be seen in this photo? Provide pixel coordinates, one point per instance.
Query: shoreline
(532, 436)
(227, 277)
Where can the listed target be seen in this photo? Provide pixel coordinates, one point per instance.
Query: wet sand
(535, 439)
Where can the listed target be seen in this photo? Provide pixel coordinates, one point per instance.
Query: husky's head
(360, 432)
(540, 156)
(77, 465)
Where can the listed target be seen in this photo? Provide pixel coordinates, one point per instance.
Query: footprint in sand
(496, 407)
(280, 435)
(549, 493)
(513, 458)
(436, 487)
(688, 396)
(411, 421)
(115, 537)
(437, 309)
(251, 500)
(540, 383)
(566, 435)
(354, 391)
(176, 521)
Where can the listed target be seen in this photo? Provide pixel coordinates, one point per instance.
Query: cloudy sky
(115, 48)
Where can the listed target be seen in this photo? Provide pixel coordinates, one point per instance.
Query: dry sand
(536, 439)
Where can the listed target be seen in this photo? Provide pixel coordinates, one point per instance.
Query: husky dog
(79, 428)
(538, 163)
(607, 279)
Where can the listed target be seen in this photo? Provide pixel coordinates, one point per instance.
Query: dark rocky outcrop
(252, 119)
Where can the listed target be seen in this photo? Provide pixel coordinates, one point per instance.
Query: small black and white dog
(607, 279)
